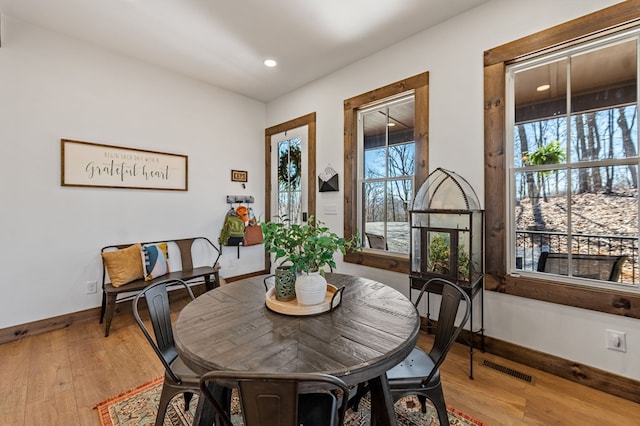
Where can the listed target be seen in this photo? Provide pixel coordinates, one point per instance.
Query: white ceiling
(224, 42)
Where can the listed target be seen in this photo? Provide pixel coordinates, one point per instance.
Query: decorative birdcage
(446, 231)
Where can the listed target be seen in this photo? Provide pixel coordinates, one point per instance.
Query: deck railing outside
(529, 244)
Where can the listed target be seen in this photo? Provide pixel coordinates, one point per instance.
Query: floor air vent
(509, 371)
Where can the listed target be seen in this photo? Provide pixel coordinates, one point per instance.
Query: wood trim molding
(243, 276)
(592, 298)
(601, 380)
(567, 33)
(420, 84)
(609, 19)
(17, 332)
(494, 169)
(379, 259)
(33, 328)
(595, 378)
(305, 120)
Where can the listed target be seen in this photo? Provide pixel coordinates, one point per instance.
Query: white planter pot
(310, 288)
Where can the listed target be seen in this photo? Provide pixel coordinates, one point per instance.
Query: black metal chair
(594, 266)
(178, 378)
(419, 373)
(376, 241)
(280, 399)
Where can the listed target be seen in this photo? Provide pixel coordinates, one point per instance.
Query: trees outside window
(388, 158)
(573, 181)
(385, 158)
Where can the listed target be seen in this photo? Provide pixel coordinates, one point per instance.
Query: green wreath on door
(290, 167)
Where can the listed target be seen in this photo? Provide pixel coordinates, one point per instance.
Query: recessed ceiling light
(270, 63)
(543, 87)
(391, 124)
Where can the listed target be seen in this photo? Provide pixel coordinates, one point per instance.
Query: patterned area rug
(138, 407)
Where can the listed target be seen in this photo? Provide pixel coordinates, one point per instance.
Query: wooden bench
(594, 266)
(181, 266)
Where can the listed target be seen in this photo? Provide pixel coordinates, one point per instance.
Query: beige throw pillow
(124, 265)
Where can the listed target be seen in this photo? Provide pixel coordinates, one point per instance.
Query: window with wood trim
(385, 159)
(573, 163)
(504, 271)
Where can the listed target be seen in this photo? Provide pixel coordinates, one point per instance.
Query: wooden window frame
(617, 17)
(420, 86)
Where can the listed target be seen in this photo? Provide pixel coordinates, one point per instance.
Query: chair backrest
(274, 399)
(376, 241)
(446, 331)
(157, 299)
(594, 266)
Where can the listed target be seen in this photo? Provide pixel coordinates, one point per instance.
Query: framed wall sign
(97, 165)
(238, 176)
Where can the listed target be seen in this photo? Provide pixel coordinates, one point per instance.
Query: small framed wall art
(238, 175)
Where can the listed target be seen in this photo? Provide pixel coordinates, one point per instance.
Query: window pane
(606, 222)
(400, 135)
(540, 216)
(541, 92)
(399, 194)
(388, 170)
(289, 179)
(604, 79)
(540, 143)
(401, 160)
(374, 166)
(373, 209)
(290, 205)
(605, 134)
(374, 126)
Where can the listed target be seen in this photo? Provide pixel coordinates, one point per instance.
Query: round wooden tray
(291, 307)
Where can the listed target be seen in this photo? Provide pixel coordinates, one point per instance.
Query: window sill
(381, 260)
(578, 296)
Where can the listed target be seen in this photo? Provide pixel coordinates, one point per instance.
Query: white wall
(53, 87)
(453, 54)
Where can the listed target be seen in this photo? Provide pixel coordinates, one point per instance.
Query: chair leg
(165, 398)
(437, 398)
(110, 309)
(103, 306)
(362, 390)
(187, 400)
(423, 403)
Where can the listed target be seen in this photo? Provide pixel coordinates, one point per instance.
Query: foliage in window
(290, 179)
(394, 136)
(581, 135)
(290, 166)
(388, 169)
(551, 153)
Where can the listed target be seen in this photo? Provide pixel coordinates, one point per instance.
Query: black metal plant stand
(447, 227)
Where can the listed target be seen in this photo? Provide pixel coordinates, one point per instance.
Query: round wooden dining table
(373, 329)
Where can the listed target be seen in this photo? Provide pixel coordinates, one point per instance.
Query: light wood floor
(58, 377)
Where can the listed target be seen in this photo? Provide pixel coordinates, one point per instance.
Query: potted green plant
(278, 240)
(306, 249)
(438, 258)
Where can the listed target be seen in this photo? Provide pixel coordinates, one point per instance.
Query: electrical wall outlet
(616, 340)
(92, 287)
